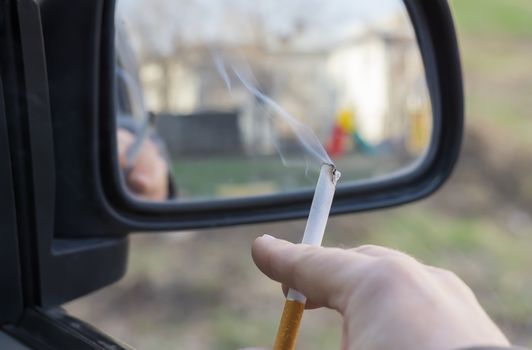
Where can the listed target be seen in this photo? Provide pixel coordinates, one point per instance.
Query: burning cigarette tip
(335, 174)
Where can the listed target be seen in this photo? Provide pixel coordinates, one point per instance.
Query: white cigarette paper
(319, 213)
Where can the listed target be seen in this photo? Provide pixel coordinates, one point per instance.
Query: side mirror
(379, 86)
(58, 71)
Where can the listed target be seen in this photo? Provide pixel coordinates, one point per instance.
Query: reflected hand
(148, 177)
(388, 300)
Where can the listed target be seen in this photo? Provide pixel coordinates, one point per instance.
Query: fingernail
(268, 237)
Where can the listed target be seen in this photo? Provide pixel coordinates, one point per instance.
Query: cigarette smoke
(304, 134)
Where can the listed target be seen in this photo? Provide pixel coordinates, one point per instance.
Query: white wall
(361, 73)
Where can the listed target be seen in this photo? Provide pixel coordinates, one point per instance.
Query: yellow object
(420, 131)
(289, 325)
(346, 120)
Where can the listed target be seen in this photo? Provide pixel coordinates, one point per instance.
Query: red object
(336, 145)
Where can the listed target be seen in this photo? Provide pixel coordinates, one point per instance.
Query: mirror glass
(235, 98)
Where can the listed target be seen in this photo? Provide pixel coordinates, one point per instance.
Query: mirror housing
(62, 142)
(436, 38)
(82, 104)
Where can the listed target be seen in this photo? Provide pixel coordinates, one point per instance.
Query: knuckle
(449, 276)
(393, 265)
(453, 281)
(392, 270)
(366, 248)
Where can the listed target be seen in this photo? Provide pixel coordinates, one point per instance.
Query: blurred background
(200, 290)
(349, 71)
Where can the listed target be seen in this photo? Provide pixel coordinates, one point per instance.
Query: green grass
(496, 54)
(205, 177)
(217, 177)
(432, 236)
(500, 18)
(436, 238)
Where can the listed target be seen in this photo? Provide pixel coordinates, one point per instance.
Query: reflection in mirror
(216, 99)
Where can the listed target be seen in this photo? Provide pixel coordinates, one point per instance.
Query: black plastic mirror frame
(436, 37)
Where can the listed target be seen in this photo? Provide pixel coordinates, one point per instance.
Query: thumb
(324, 275)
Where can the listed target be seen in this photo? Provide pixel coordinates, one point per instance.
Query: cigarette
(314, 231)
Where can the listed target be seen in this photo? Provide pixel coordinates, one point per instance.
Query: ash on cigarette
(336, 175)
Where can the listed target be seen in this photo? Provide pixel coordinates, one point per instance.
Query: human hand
(148, 178)
(388, 300)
